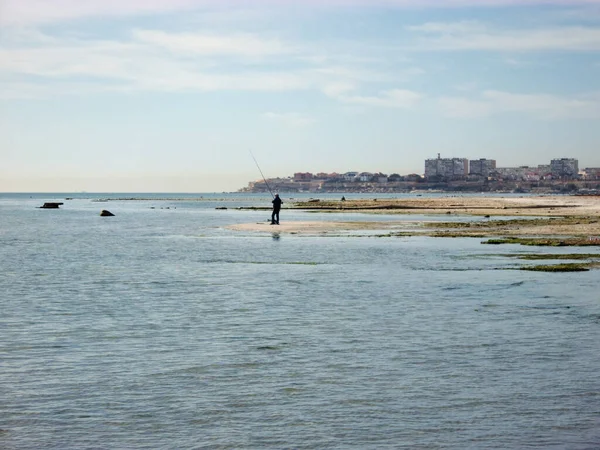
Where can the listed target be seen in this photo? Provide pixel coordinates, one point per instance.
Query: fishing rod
(264, 179)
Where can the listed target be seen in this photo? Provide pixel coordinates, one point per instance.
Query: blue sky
(158, 95)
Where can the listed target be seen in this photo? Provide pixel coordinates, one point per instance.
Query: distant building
(511, 173)
(350, 176)
(414, 177)
(380, 177)
(591, 173)
(483, 167)
(303, 176)
(523, 173)
(565, 168)
(544, 170)
(448, 168)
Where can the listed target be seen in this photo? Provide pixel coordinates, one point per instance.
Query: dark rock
(105, 213)
(221, 207)
(51, 205)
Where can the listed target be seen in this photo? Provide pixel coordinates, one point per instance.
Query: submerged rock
(106, 213)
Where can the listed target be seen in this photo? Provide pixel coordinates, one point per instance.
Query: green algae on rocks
(546, 242)
(567, 267)
(569, 256)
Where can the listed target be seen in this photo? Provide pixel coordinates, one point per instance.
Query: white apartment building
(483, 167)
(446, 167)
(565, 167)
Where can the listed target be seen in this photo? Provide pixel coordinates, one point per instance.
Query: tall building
(450, 168)
(564, 167)
(482, 166)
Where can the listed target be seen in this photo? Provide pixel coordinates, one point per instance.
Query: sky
(176, 95)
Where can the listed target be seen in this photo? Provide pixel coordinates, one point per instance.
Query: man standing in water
(276, 207)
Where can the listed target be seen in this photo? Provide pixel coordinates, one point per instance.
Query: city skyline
(171, 96)
(543, 166)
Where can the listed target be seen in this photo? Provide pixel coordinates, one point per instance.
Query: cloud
(394, 98)
(291, 119)
(462, 27)
(541, 106)
(141, 64)
(23, 90)
(339, 89)
(238, 44)
(464, 108)
(32, 12)
(474, 36)
(36, 64)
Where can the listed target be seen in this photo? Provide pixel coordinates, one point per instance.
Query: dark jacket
(277, 203)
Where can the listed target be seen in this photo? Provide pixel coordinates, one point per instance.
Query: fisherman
(276, 207)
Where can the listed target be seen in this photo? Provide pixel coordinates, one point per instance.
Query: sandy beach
(568, 216)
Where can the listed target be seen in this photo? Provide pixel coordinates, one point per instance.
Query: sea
(161, 328)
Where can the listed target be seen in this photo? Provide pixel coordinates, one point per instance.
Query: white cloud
(468, 86)
(139, 64)
(291, 119)
(464, 108)
(10, 89)
(515, 62)
(28, 12)
(395, 98)
(33, 63)
(31, 12)
(449, 27)
(546, 106)
(465, 36)
(578, 14)
(541, 106)
(339, 89)
(212, 44)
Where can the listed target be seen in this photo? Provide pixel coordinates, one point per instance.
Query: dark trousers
(275, 216)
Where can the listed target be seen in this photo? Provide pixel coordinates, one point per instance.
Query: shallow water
(160, 328)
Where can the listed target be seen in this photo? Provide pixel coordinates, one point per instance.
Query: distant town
(447, 174)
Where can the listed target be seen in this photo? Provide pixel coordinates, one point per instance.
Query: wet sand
(561, 216)
(315, 228)
(504, 206)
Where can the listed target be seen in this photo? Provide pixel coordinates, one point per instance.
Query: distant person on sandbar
(276, 207)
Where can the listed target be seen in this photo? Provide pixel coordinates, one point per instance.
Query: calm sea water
(160, 328)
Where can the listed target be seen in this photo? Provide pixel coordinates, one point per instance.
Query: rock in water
(51, 205)
(106, 213)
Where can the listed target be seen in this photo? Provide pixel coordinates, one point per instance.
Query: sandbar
(315, 227)
(468, 205)
(561, 216)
